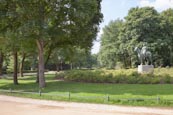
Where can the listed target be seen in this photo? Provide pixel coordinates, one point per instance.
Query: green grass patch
(107, 93)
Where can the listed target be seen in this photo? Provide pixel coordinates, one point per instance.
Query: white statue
(144, 55)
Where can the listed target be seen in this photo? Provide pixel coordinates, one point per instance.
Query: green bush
(60, 75)
(107, 76)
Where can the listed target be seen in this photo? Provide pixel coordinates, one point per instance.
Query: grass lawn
(123, 94)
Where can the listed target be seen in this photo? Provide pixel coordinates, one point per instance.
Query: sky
(114, 9)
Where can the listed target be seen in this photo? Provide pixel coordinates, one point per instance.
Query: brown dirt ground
(23, 106)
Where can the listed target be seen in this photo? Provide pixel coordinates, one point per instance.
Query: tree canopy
(141, 26)
(57, 22)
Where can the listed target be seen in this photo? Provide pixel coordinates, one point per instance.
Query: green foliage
(109, 51)
(141, 25)
(62, 22)
(167, 25)
(116, 76)
(140, 21)
(54, 23)
(10, 68)
(76, 57)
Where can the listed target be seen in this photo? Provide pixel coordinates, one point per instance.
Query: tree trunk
(130, 63)
(124, 60)
(37, 80)
(171, 56)
(1, 62)
(71, 66)
(40, 45)
(15, 80)
(57, 67)
(61, 66)
(22, 64)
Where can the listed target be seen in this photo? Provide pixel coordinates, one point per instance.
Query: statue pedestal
(145, 69)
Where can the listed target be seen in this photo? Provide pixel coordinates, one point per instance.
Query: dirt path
(24, 106)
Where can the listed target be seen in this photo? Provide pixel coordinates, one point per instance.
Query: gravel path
(23, 106)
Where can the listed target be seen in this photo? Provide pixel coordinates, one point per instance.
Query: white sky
(113, 9)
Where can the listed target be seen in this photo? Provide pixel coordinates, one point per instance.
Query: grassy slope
(88, 92)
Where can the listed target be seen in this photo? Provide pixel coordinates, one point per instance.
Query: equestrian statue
(144, 55)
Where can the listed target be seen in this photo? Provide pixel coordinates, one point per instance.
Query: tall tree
(142, 25)
(9, 29)
(27, 49)
(12, 45)
(3, 25)
(108, 55)
(167, 27)
(63, 22)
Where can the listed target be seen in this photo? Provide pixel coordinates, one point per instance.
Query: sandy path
(24, 106)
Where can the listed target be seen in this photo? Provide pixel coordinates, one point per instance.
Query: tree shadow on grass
(33, 77)
(25, 87)
(54, 86)
(26, 83)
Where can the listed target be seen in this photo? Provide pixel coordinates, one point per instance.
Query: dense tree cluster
(41, 26)
(141, 26)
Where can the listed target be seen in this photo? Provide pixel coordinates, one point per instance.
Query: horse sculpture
(144, 55)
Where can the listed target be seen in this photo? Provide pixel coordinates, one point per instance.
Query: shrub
(109, 76)
(60, 75)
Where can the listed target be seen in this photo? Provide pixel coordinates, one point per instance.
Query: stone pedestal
(148, 69)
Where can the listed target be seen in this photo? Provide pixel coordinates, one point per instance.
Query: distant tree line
(141, 26)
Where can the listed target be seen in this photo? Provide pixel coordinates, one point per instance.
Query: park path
(23, 106)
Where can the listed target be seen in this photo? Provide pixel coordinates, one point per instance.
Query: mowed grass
(123, 94)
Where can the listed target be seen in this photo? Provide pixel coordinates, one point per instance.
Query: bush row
(97, 76)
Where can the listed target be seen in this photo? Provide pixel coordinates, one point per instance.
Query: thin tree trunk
(171, 56)
(22, 64)
(61, 66)
(1, 62)
(37, 80)
(40, 46)
(71, 66)
(15, 80)
(79, 66)
(130, 61)
(124, 60)
(57, 67)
